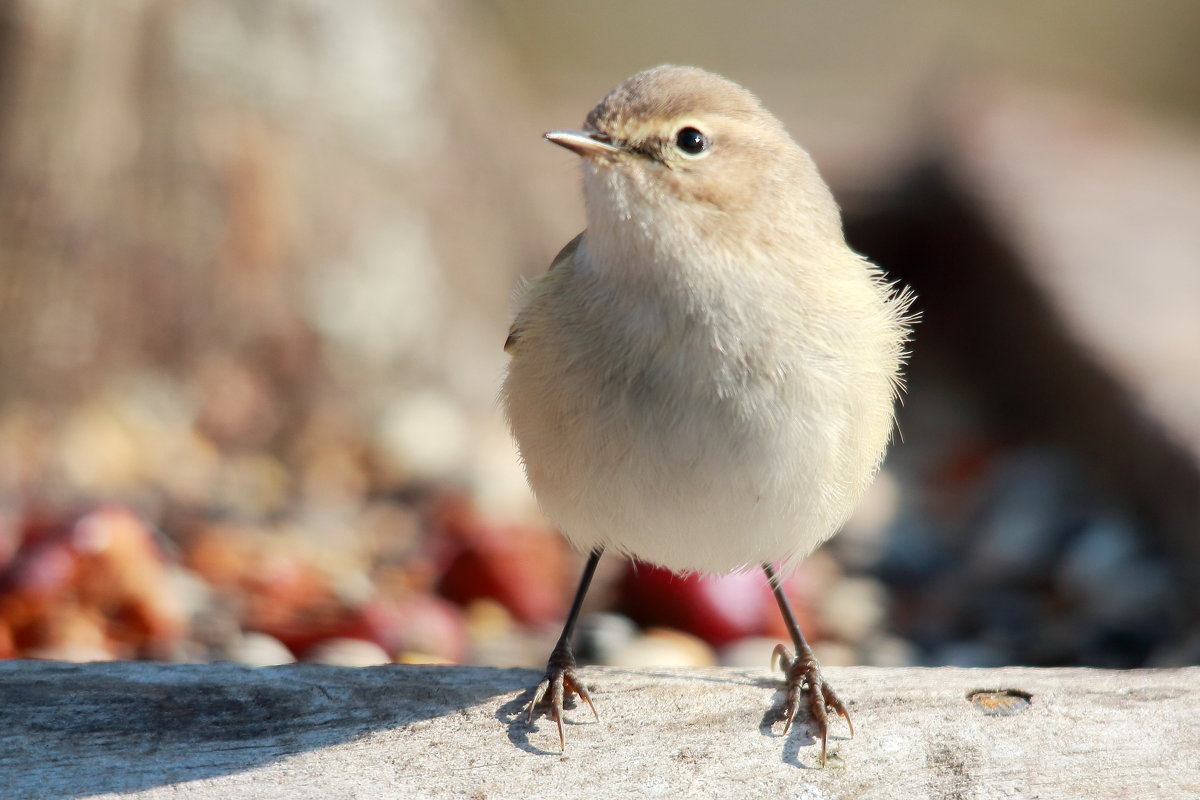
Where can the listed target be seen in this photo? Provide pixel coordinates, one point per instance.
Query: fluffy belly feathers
(739, 478)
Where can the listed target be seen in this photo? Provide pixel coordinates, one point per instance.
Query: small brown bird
(705, 378)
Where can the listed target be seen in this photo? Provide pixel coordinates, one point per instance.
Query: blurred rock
(601, 636)
(496, 640)
(95, 584)
(665, 647)
(419, 624)
(487, 619)
(340, 652)
(853, 609)
(423, 435)
(717, 608)
(751, 652)
(834, 654)
(416, 657)
(99, 453)
(259, 650)
(1106, 574)
(521, 566)
(77, 651)
(888, 651)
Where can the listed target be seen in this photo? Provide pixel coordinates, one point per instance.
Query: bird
(705, 378)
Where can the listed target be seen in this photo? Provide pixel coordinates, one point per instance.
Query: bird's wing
(568, 252)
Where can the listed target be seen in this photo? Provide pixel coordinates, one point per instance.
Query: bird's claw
(559, 683)
(804, 679)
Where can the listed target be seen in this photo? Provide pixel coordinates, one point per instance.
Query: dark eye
(691, 141)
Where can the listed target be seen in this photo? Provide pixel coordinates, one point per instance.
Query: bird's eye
(691, 141)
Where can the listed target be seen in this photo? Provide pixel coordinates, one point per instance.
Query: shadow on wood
(157, 731)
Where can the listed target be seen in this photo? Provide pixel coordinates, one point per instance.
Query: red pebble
(718, 608)
(521, 567)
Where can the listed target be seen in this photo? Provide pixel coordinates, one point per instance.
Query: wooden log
(143, 730)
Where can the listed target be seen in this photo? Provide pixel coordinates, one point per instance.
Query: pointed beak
(585, 143)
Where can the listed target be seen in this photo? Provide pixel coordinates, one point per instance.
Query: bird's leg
(804, 678)
(560, 679)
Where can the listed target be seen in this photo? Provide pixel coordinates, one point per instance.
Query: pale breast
(657, 432)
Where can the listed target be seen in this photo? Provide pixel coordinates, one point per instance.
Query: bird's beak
(585, 143)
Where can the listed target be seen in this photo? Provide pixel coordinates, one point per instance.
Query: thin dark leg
(560, 676)
(785, 608)
(589, 571)
(803, 673)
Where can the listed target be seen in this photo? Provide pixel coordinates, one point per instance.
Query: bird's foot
(804, 680)
(560, 682)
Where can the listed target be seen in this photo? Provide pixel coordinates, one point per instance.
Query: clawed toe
(560, 683)
(804, 680)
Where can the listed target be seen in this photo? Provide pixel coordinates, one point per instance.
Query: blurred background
(256, 263)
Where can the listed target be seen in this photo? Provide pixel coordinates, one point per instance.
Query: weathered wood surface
(303, 731)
